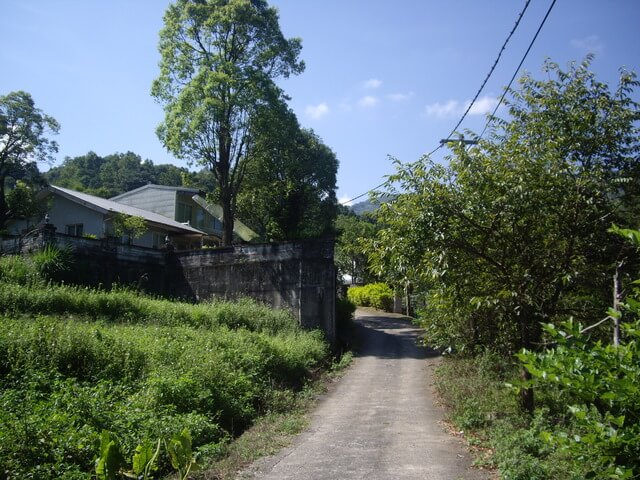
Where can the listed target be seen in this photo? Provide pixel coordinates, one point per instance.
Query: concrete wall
(298, 276)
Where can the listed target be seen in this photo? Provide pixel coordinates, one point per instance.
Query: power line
(495, 63)
(515, 74)
(493, 67)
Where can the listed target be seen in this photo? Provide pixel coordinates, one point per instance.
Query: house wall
(64, 212)
(160, 201)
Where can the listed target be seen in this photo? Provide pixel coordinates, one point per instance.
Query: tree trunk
(530, 336)
(526, 394)
(227, 224)
(3, 205)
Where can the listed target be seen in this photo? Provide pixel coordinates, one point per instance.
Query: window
(158, 240)
(183, 212)
(74, 230)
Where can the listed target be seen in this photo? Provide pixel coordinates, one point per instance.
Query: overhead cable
(495, 63)
(515, 74)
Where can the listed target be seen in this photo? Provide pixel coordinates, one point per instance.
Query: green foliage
(52, 261)
(144, 460)
(114, 174)
(219, 60)
(111, 460)
(25, 131)
(599, 386)
(126, 306)
(290, 182)
(376, 295)
(181, 454)
(128, 225)
(345, 309)
(488, 413)
(16, 269)
(350, 255)
(21, 201)
(139, 368)
(513, 232)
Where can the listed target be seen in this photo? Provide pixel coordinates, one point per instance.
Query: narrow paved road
(380, 422)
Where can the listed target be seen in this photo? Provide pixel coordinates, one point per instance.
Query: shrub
(17, 270)
(52, 261)
(140, 367)
(345, 309)
(376, 295)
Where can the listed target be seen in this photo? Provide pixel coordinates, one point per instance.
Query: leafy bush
(599, 385)
(376, 295)
(52, 261)
(17, 270)
(138, 367)
(345, 309)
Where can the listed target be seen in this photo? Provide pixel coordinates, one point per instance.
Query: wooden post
(616, 304)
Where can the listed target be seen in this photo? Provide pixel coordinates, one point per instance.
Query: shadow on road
(389, 337)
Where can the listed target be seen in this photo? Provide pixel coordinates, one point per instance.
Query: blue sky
(382, 78)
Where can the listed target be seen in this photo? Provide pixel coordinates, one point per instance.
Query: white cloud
(372, 83)
(400, 97)
(590, 44)
(343, 200)
(368, 101)
(317, 111)
(443, 110)
(483, 105)
(454, 108)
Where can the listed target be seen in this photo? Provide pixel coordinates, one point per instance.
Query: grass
(274, 431)
(503, 438)
(75, 362)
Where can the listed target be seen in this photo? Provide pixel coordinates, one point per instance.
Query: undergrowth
(76, 362)
(480, 404)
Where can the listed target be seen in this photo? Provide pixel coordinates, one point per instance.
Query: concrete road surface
(380, 422)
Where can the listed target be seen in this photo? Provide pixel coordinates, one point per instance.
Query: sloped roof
(103, 205)
(239, 228)
(153, 186)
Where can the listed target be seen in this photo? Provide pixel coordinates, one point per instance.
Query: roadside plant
(53, 261)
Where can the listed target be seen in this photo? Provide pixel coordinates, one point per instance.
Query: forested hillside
(117, 173)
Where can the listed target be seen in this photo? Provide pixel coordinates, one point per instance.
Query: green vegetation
(350, 256)
(117, 173)
(509, 249)
(77, 362)
(219, 62)
(376, 295)
(25, 132)
(129, 226)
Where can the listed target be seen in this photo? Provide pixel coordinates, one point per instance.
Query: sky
(383, 79)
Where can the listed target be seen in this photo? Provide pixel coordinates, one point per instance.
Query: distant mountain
(368, 206)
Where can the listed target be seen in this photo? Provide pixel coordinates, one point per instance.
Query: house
(79, 214)
(185, 205)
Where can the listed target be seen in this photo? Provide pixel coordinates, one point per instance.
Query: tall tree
(350, 255)
(513, 232)
(219, 59)
(290, 180)
(24, 140)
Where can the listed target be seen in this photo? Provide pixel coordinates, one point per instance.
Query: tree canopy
(513, 232)
(25, 132)
(219, 59)
(289, 189)
(115, 174)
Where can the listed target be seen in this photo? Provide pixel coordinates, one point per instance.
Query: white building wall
(64, 212)
(160, 201)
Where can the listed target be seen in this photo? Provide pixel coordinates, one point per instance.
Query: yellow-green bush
(376, 295)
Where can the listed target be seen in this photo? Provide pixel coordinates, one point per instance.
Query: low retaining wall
(298, 276)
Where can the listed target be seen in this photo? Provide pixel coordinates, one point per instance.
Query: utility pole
(460, 140)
